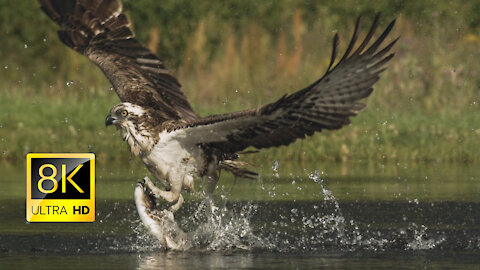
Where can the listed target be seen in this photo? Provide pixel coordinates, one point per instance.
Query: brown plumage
(99, 30)
(326, 104)
(159, 124)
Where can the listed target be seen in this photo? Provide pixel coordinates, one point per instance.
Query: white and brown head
(135, 123)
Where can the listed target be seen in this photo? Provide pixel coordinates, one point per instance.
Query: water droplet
(275, 168)
(275, 165)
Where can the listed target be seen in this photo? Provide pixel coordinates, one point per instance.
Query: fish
(160, 223)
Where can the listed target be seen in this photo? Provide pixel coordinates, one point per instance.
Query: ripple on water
(326, 224)
(276, 225)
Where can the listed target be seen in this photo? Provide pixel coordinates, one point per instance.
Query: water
(402, 216)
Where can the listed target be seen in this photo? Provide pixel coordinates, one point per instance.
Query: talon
(141, 185)
(146, 179)
(171, 194)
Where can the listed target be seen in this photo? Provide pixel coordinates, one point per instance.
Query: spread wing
(326, 104)
(99, 30)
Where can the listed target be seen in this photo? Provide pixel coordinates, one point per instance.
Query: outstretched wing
(99, 30)
(326, 104)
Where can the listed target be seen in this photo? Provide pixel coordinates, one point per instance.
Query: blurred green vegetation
(237, 54)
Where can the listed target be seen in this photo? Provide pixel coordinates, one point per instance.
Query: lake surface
(353, 216)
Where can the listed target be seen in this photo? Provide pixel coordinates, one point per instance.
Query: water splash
(275, 167)
(216, 226)
(222, 228)
(334, 222)
(212, 227)
(421, 240)
(290, 226)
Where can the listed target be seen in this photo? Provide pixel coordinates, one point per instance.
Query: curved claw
(171, 196)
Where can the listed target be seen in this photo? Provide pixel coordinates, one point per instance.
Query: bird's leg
(174, 208)
(172, 196)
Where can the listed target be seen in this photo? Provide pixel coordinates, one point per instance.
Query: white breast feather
(140, 141)
(173, 159)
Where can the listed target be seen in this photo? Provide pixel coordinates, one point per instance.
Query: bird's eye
(124, 113)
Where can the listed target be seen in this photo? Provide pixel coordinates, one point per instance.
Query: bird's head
(134, 124)
(125, 114)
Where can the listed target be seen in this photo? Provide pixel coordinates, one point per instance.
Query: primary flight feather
(173, 141)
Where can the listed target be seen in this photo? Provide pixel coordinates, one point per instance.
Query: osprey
(160, 126)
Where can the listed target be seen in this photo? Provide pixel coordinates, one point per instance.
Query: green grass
(425, 108)
(76, 124)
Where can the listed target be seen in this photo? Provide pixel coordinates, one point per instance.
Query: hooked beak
(109, 120)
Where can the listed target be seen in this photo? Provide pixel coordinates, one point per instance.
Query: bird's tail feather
(238, 168)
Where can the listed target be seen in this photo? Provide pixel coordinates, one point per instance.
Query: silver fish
(161, 224)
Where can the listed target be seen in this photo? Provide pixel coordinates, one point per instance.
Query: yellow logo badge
(60, 187)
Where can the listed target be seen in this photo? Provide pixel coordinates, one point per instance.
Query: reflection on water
(299, 221)
(237, 260)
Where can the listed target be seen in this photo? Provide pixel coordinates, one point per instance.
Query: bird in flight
(173, 141)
